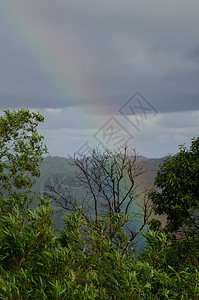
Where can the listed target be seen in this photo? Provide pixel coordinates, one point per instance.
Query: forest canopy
(92, 259)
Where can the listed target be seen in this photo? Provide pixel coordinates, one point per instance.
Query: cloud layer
(79, 61)
(118, 46)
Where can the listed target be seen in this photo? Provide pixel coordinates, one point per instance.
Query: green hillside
(56, 169)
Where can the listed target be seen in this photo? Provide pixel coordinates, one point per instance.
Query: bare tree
(111, 185)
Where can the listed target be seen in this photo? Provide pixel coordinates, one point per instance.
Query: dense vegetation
(89, 260)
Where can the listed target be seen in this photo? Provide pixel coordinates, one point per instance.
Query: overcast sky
(99, 68)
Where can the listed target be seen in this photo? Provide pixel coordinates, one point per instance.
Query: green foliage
(84, 263)
(85, 260)
(178, 179)
(21, 150)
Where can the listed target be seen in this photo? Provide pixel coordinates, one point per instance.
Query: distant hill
(151, 166)
(59, 169)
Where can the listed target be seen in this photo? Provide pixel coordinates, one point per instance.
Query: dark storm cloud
(125, 46)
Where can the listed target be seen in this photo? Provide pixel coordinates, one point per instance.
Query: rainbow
(44, 51)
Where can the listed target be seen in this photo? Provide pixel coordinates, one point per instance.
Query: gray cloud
(179, 120)
(121, 46)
